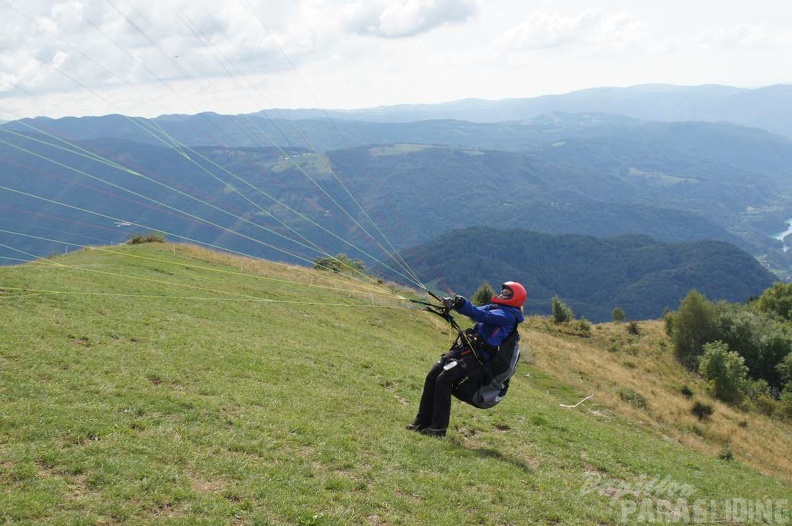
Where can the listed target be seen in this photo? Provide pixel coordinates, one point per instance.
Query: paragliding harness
(486, 381)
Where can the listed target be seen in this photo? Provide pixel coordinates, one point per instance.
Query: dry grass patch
(286, 275)
(639, 378)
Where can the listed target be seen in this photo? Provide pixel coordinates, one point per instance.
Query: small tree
(777, 299)
(725, 370)
(561, 312)
(340, 263)
(618, 314)
(786, 401)
(693, 326)
(784, 369)
(483, 295)
(668, 321)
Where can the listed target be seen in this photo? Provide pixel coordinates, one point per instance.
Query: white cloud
(164, 56)
(404, 18)
(589, 31)
(743, 37)
(95, 43)
(69, 13)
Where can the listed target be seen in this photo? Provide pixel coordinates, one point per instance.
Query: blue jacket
(493, 322)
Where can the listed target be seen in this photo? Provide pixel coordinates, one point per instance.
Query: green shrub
(633, 397)
(778, 300)
(694, 325)
(618, 314)
(562, 313)
(154, 237)
(756, 389)
(760, 338)
(784, 369)
(767, 405)
(725, 370)
(582, 327)
(483, 294)
(702, 411)
(668, 320)
(340, 263)
(785, 402)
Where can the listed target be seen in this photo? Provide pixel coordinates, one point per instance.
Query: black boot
(416, 426)
(433, 431)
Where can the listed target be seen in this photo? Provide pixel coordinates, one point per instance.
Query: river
(785, 233)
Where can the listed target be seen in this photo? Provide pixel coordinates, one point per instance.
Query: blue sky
(147, 57)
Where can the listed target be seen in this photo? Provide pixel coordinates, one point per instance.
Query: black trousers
(435, 407)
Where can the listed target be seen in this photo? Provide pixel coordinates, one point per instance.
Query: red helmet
(516, 295)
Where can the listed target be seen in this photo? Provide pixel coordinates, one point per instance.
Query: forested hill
(637, 273)
(586, 174)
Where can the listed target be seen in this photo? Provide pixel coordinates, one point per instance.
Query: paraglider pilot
(494, 323)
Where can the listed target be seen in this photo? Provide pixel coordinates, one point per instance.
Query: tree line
(743, 350)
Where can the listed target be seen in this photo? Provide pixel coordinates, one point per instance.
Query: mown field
(165, 384)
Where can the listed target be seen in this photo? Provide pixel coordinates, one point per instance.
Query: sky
(153, 57)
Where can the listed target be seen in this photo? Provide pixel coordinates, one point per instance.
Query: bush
(702, 411)
(785, 402)
(618, 315)
(633, 397)
(757, 389)
(339, 264)
(774, 350)
(632, 328)
(668, 320)
(784, 369)
(777, 299)
(153, 237)
(561, 312)
(726, 454)
(767, 405)
(582, 327)
(760, 338)
(725, 370)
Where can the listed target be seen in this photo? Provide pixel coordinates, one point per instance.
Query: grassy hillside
(163, 383)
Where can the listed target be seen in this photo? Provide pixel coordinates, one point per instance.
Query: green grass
(129, 400)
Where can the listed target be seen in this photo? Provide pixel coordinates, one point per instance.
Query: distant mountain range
(604, 185)
(769, 108)
(291, 190)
